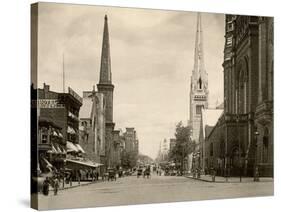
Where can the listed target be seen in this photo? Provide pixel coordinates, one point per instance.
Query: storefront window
(44, 139)
(44, 135)
(211, 149)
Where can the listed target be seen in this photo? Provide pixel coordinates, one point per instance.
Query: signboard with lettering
(48, 103)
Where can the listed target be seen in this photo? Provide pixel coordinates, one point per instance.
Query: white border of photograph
(15, 99)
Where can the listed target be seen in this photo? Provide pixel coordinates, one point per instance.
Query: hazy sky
(151, 61)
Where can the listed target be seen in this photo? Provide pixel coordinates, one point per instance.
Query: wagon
(139, 172)
(111, 174)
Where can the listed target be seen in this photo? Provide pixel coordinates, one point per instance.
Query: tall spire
(199, 66)
(105, 68)
(105, 85)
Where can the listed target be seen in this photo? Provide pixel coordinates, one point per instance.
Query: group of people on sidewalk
(54, 182)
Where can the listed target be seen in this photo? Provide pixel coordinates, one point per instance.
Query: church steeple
(105, 67)
(105, 85)
(199, 54)
(199, 75)
(199, 93)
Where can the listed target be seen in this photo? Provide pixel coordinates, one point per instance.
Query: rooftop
(86, 109)
(210, 118)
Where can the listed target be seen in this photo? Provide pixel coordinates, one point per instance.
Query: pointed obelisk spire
(105, 85)
(199, 66)
(105, 68)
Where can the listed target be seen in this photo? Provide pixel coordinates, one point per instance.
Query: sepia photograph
(139, 106)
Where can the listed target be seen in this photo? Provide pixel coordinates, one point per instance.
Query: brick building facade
(62, 109)
(131, 140)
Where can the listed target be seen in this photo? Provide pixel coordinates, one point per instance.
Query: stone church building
(242, 140)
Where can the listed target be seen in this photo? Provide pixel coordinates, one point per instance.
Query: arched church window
(199, 109)
(200, 83)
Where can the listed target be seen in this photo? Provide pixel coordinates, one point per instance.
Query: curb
(75, 186)
(210, 181)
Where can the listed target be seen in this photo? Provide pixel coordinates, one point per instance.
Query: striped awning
(70, 130)
(71, 147)
(55, 133)
(84, 163)
(80, 148)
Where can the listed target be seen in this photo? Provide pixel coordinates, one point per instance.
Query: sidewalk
(75, 184)
(219, 179)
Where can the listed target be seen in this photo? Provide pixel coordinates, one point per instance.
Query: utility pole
(63, 74)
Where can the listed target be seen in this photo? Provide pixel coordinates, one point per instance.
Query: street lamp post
(256, 169)
(190, 164)
(183, 164)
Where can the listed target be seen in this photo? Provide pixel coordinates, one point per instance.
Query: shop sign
(49, 103)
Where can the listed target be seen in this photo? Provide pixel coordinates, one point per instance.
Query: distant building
(172, 143)
(165, 147)
(163, 151)
(131, 140)
(117, 149)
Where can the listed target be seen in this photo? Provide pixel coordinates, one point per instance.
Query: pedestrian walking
(46, 185)
(56, 186)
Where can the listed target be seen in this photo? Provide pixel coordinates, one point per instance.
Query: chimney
(46, 88)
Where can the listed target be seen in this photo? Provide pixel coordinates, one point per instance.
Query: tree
(128, 159)
(144, 159)
(184, 144)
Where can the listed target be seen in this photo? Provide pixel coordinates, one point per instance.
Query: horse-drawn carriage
(139, 172)
(146, 173)
(111, 174)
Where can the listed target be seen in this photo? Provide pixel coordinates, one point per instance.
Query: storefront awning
(97, 164)
(80, 148)
(70, 130)
(47, 162)
(84, 163)
(53, 150)
(58, 149)
(71, 147)
(63, 150)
